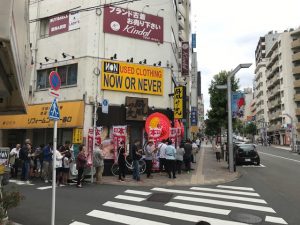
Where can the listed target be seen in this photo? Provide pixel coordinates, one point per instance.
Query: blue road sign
(54, 111)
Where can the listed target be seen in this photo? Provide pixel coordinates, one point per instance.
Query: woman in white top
(58, 166)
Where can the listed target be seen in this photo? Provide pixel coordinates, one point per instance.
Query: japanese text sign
(194, 116)
(63, 22)
(133, 24)
(185, 57)
(77, 135)
(128, 77)
(136, 108)
(71, 115)
(179, 102)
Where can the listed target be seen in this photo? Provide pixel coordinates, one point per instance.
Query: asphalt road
(267, 193)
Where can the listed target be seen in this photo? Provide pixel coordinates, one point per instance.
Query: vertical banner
(77, 136)
(173, 136)
(119, 135)
(238, 104)
(154, 134)
(194, 40)
(185, 57)
(179, 102)
(178, 136)
(105, 106)
(90, 142)
(194, 116)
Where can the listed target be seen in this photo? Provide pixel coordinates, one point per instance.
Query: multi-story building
(125, 54)
(275, 85)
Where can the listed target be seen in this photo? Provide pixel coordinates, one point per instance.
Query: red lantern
(158, 120)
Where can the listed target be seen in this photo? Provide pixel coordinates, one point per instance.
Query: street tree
(217, 115)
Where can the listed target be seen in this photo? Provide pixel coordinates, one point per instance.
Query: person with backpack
(171, 159)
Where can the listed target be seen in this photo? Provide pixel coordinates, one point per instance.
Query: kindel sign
(133, 24)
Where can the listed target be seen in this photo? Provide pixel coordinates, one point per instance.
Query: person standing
(198, 142)
(136, 156)
(98, 162)
(47, 162)
(25, 154)
(150, 149)
(218, 152)
(59, 168)
(80, 164)
(171, 159)
(14, 160)
(194, 151)
(179, 157)
(121, 161)
(66, 160)
(187, 155)
(162, 155)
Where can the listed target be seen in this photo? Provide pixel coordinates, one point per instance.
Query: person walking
(136, 156)
(150, 149)
(171, 159)
(14, 160)
(179, 157)
(47, 162)
(187, 155)
(98, 162)
(80, 164)
(194, 151)
(162, 155)
(121, 161)
(218, 152)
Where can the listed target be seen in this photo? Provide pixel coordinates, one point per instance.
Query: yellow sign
(178, 102)
(71, 115)
(128, 77)
(77, 136)
(194, 129)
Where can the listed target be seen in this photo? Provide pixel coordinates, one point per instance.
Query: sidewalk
(287, 148)
(206, 171)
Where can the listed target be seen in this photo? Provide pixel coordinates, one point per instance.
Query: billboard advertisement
(238, 104)
(133, 24)
(185, 57)
(128, 77)
(63, 22)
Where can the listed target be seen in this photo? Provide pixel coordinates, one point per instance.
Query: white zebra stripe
(138, 192)
(236, 188)
(226, 203)
(130, 198)
(278, 220)
(122, 218)
(225, 191)
(211, 195)
(169, 214)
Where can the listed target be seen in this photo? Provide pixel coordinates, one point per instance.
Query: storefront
(37, 126)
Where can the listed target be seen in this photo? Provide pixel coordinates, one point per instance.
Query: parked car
(246, 154)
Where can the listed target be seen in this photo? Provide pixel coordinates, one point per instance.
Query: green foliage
(250, 128)
(217, 115)
(8, 200)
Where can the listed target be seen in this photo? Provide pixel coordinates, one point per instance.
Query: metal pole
(94, 138)
(230, 149)
(54, 173)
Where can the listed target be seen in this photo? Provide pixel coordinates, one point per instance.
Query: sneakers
(121, 180)
(46, 181)
(28, 182)
(79, 186)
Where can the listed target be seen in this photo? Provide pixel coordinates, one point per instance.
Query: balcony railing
(296, 43)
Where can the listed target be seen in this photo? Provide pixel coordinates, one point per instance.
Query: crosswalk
(186, 206)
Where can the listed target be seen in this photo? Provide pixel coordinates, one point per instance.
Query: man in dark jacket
(187, 155)
(47, 162)
(25, 160)
(136, 155)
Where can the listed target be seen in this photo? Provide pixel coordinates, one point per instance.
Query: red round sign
(54, 80)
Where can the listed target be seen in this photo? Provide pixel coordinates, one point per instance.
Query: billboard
(135, 78)
(194, 116)
(185, 57)
(133, 24)
(136, 108)
(63, 22)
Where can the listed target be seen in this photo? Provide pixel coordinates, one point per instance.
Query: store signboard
(136, 108)
(64, 22)
(135, 78)
(185, 59)
(179, 102)
(133, 24)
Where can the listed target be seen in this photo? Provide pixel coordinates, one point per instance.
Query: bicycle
(129, 165)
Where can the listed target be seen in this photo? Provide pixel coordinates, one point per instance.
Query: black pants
(15, 168)
(178, 166)
(171, 167)
(187, 163)
(162, 164)
(79, 177)
(218, 156)
(148, 167)
(122, 168)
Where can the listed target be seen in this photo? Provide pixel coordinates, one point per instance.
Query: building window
(44, 28)
(68, 76)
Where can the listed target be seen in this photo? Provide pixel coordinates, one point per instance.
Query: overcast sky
(228, 32)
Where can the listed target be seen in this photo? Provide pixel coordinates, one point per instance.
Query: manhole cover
(245, 217)
(160, 197)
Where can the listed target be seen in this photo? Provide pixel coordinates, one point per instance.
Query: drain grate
(160, 197)
(245, 217)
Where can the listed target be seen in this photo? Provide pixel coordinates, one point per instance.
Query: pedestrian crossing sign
(54, 111)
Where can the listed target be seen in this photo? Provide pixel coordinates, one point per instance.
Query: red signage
(185, 56)
(133, 24)
(59, 24)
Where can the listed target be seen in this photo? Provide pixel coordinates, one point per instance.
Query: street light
(230, 149)
(292, 130)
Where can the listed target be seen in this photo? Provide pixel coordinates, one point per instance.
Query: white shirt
(58, 161)
(15, 151)
(198, 141)
(162, 150)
